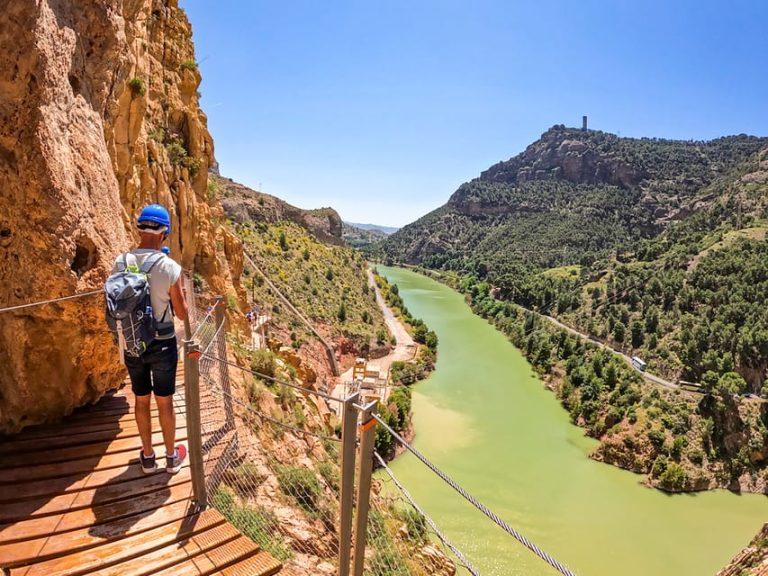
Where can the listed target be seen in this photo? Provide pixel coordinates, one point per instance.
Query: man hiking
(143, 294)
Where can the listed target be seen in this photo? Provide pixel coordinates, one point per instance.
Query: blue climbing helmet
(154, 218)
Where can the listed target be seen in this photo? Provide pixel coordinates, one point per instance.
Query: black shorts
(155, 370)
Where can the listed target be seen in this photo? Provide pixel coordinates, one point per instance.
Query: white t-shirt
(164, 274)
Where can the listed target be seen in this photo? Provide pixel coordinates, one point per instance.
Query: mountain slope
(304, 255)
(242, 204)
(656, 248)
(362, 236)
(571, 197)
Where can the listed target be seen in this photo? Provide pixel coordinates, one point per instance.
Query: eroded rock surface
(243, 204)
(753, 560)
(99, 116)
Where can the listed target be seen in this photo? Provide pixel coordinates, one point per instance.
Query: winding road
(628, 359)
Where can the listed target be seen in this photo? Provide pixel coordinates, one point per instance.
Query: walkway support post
(218, 311)
(219, 348)
(348, 441)
(364, 473)
(192, 405)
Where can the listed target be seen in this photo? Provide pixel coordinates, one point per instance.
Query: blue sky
(382, 109)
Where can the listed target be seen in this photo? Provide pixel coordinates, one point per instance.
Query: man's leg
(141, 384)
(144, 423)
(167, 421)
(164, 385)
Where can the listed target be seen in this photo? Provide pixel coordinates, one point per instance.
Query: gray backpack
(128, 305)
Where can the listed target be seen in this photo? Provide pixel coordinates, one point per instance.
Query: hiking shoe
(148, 463)
(174, 461)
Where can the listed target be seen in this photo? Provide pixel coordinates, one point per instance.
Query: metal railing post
(348, 441)
(219, 310)
(364, 474)
(192, 405)
(220, 350)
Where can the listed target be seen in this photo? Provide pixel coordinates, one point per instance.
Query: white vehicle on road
(639, 363)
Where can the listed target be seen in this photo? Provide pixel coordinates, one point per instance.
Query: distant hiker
(143, 293)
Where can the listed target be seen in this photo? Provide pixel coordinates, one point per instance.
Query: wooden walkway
(74, 501)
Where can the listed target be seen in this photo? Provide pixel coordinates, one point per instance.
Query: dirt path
(405, 348)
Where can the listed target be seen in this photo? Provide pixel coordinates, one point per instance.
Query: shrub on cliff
(137, 86)
(302, 485)
(415, 524)
(264, 362)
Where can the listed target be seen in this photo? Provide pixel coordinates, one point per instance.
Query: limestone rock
(753, 560)
(243, 204)
(99, 116)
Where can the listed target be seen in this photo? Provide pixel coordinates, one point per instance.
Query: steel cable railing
(543, 555)
(270, 464)
(51, 301)
(426, 519)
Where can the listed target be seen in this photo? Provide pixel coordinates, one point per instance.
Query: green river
(485, 419)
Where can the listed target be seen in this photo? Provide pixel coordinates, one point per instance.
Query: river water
(484, 418)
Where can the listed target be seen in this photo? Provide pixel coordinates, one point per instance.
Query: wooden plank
(116, 425)
(125, 548)
(28, 443)
(210, 562)
(81, 465)
(174, 553)
(91, 417)
(45, 547)
(67, 521)
(117, 489)
(51, 487)
(125, 422)
(261, 564)
(83, 451)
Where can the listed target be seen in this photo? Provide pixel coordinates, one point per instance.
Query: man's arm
(178, 301)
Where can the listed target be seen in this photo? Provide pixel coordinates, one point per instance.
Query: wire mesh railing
(420, 528)
(270, 462)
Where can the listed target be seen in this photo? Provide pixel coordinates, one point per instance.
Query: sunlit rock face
(99, 116)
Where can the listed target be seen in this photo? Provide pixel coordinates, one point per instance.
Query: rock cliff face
(753, 560)
(99, 116)
(568, 155)
(243, 204)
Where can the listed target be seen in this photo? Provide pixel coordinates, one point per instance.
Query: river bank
(411, 360)
(484, 417)
(680, 442)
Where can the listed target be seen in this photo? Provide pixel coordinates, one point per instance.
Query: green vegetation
(302, 485)
(137, 86)
(257, 523)
(179, 156)
(660, 253)
(359, 238)
(264, 362)
(327, 282)
(571, 198)
(712, 440)
(213, 191)
(189, 65)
